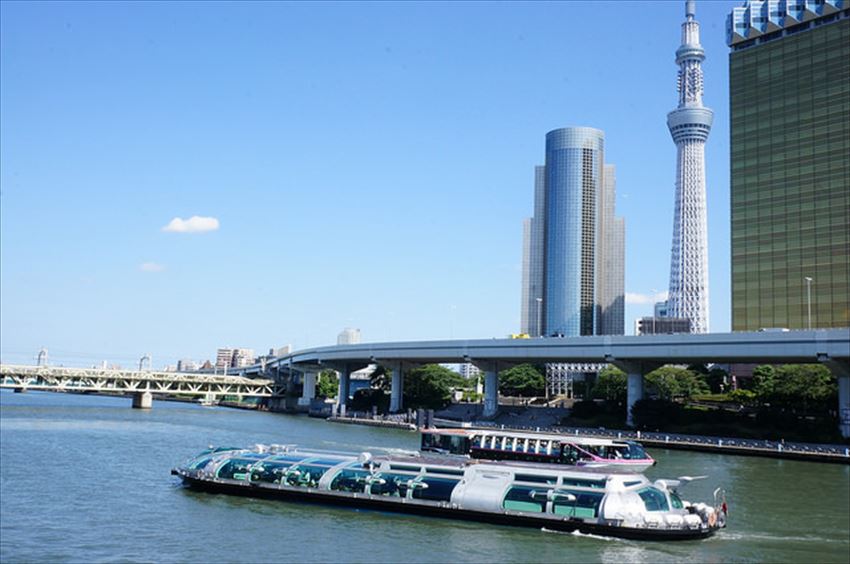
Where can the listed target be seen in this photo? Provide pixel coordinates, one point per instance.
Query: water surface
(86, 478)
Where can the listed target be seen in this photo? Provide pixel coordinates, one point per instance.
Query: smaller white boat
(581, 452)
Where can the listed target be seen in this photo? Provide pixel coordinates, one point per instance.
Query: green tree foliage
(799, 387)
(611, 385)
(670, 382)
(430, 386)
(327, 385)
(656, 413)
(716, 379)
(366, 398)
(381, 379)
(523, 380)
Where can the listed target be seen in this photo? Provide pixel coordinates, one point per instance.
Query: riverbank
(812, 452)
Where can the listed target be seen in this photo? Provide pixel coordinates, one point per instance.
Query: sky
(178, 177)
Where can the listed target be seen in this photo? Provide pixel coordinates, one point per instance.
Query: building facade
(348, 336)
(573, 247)
(789, 80)
(689, 125)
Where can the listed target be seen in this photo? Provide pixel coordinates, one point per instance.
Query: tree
(522, 380)
(810, 387)
(716, 380)
(669, 382)
(381, 379)
(327, 385)
(611, 385)
(764, 382)
(430, 386)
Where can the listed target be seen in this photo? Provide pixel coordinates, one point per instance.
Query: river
(86, 478)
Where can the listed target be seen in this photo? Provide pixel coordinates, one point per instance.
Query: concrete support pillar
(635, 371)
(841, 369)
(635, 393)
(309, 387)
(344, 385)
(397, 388)
(844, 405)
(491, 388)
(142, 400)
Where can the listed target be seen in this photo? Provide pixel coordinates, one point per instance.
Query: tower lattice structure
(689, 125)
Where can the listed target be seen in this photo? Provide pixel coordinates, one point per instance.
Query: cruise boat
(543, 496)
(582, 452)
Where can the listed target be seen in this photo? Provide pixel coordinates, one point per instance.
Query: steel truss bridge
(61, 379)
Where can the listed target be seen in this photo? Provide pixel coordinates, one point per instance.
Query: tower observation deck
(690, 124)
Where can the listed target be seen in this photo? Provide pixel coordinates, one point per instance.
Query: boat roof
(529, 435)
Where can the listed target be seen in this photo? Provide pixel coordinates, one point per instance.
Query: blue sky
(365, 165)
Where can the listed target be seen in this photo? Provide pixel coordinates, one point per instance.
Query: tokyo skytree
(689, 125)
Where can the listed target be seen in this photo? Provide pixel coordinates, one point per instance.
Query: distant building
(468, 370)
(242, 357)
(223, 357)
(349, 336)
(282, 351)
(186, 365)
(789, 86)
(233, 357)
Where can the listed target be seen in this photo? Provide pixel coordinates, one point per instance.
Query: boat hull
(442, 510)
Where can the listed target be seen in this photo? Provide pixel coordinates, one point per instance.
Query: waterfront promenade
(814, 452)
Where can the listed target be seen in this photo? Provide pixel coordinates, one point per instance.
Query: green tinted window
(526, 498)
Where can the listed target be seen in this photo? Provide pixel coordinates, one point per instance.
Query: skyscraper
(573, 246)
(348, 336)
(789, 92)
(689, 125)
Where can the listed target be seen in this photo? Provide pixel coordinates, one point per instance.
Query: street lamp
(809, 299)
(539, 316)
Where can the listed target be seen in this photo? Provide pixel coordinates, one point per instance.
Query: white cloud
(195, 224)
(151, 267)
(640, 299)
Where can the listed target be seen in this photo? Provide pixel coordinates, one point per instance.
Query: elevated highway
(636, 355)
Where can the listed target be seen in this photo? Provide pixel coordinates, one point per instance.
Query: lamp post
(539, 316)
(809, 299)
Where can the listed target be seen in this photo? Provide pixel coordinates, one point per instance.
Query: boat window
(630, 484)
(435, 489)
(405, 468)
(391, 484)
(636, 451)
(536, 479)
(430, 440)
(235, 469)
(583, 482)
(200, 463)
(212, 450)
(520, 498)
(569, 454)
(476, 441)
(269, 472)
(289, 458)
(654, 499)
(448, 471)
(585, 504)
(305, 475)
(327, 461)
(350, 481)
(255, 455)
(676, 501)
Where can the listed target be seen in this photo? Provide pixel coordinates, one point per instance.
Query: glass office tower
(574, 158)
(789, 78)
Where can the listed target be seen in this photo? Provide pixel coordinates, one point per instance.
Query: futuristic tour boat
(508, 493)
(583, 452)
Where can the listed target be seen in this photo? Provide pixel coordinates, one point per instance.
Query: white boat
(510, 493)
(581, 452)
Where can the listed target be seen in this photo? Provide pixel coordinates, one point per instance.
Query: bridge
(142, 384)
(635, 355)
